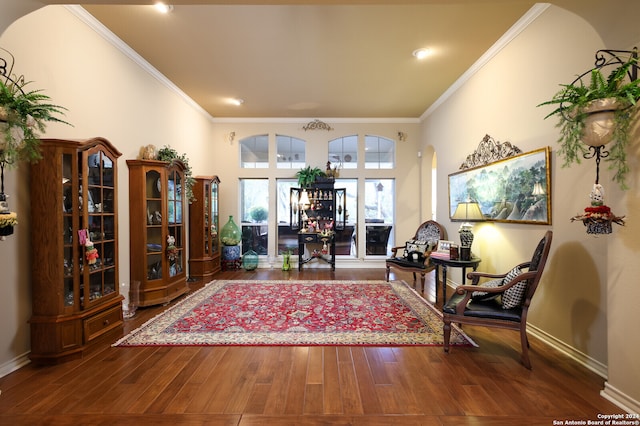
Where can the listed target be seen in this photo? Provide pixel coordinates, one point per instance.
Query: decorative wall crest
(317, 125)
(488, 151)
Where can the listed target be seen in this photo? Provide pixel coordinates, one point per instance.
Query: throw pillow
(483, 295)
(415, 250)
(512, 297)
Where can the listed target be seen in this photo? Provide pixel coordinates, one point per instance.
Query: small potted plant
(308, 175)
(7, 222)
(596, 113)
(170, 155)
(258, 213)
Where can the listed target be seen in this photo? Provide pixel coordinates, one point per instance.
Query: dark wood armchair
(429, 232)
(502, 302)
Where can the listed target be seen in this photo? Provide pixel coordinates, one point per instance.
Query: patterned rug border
(409, 296)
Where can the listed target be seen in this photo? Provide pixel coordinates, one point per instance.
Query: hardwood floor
(266, 386)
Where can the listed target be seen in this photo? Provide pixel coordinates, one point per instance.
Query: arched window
(379, 152)
(291, 152)
(254, 152)
(343, 152)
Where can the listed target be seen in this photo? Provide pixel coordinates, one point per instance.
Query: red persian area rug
(302, 313)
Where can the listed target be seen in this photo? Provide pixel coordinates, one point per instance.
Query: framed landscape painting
(515, 189)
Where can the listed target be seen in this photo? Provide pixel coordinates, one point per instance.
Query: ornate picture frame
(516, 189)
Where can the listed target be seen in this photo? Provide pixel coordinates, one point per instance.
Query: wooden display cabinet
(316, 219)
(204, 225)
(75, 299)
(156, 215)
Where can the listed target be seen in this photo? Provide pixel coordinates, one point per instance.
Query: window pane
(344, 152)
(287, 239)
(379, 153)
(291, 152)
(346, 239)
(254, 214)
(379, 215)
(254, 152)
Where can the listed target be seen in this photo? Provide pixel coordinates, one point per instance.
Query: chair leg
(447, 334)
(388, 271)
(525, 347)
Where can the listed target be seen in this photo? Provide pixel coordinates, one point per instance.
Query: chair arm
(394, 250)
(467, 291)
(475, 276)
(522, 277)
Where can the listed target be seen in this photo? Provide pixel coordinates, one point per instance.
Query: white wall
(574, 306)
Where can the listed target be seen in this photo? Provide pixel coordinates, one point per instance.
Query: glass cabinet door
(175, 237)
(69, 204)
(214, 218)
(153, 186)
(99, 275)
(207, 220)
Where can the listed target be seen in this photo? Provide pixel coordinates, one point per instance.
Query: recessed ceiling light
(163, 8)
(237, 101)
(421, 53)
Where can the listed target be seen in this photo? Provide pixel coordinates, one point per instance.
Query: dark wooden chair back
(429, 231)
(487, 308)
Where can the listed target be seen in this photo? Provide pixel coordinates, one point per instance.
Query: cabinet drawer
(308, 238)
(102, 322)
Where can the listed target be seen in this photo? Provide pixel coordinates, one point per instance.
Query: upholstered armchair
(500, 300)
(413, 256)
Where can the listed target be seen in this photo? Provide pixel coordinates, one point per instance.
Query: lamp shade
(304, 198)
(468, 210)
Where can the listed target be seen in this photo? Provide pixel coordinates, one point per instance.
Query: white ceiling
(306, 58)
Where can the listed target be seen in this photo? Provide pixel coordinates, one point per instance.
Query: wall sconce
(402, 136)
(231, 136)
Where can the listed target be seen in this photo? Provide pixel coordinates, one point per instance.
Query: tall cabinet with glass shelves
(157, 240)
(204, 224)
(74, 230)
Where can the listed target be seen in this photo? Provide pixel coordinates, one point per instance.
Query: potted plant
(308, 176)
(23, 114)
(597, 113)
(169, 154)
(7, 222)
(258, 213)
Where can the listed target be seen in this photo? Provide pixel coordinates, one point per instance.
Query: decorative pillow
(483, 295)
(512, 297)
(415, 250)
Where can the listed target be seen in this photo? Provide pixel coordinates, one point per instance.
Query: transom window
(343, 152)
(291, 152)
(254, 152)
(379, 152)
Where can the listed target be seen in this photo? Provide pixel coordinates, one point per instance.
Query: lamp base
(466, 237)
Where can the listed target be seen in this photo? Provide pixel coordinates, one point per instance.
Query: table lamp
(467, 211)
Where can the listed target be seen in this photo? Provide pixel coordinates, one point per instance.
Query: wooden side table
(445, 263)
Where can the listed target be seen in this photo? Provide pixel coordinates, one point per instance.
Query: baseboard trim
(14, 364)
(581, 358)
(620, 399)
